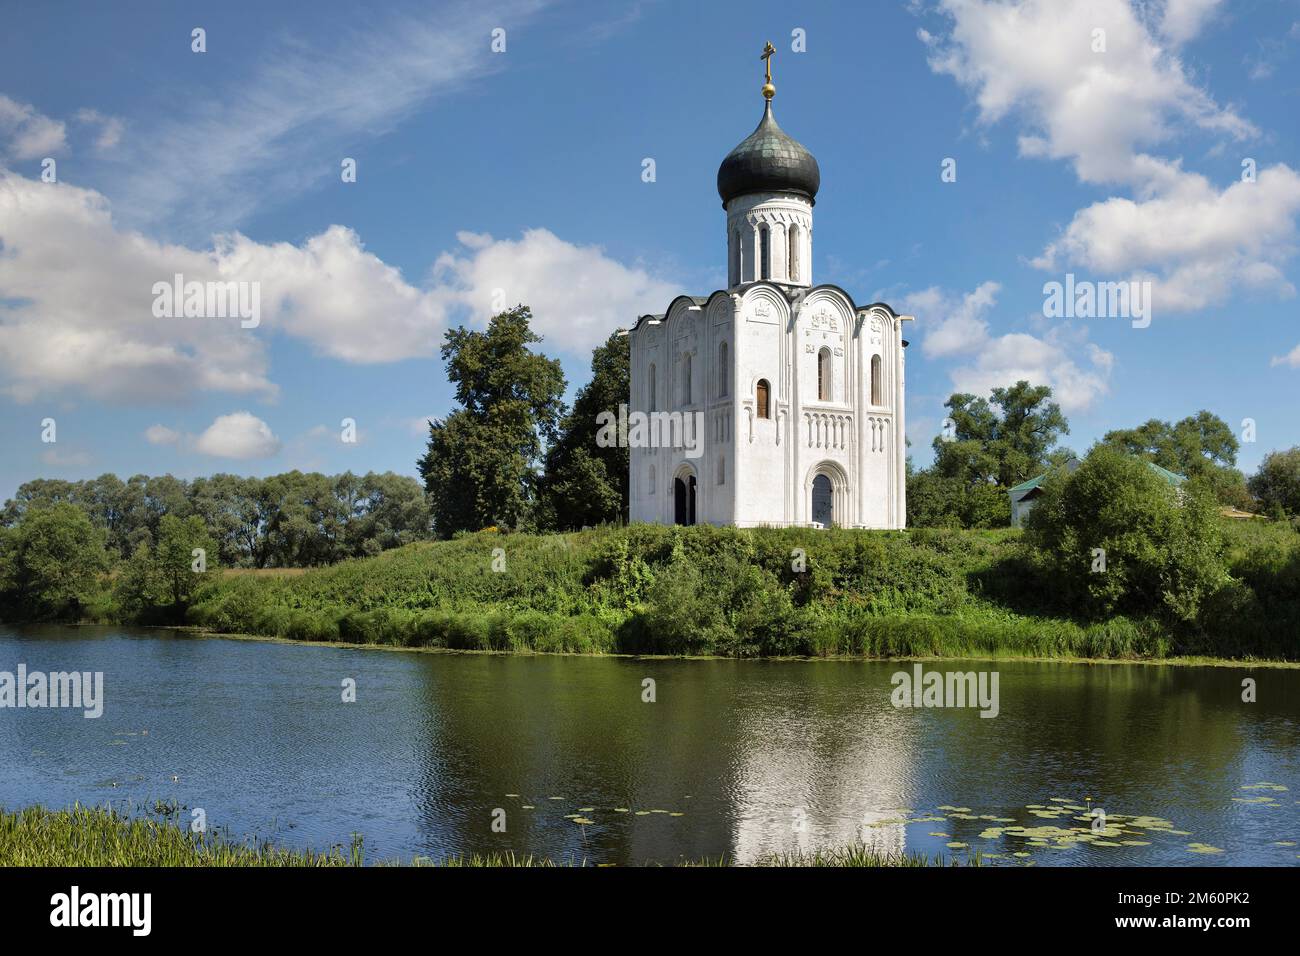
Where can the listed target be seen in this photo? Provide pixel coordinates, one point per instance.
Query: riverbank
(726, 592)
(740, 593)
(100, 836)
(1172, 661)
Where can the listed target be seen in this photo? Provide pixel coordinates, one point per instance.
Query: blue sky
(521, 171)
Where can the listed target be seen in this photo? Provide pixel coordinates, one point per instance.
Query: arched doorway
(684, 498)
(823, 501)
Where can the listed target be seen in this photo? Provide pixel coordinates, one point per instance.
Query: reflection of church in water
(799, 390)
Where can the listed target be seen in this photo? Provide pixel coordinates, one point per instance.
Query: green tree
(179, 569)
(936, 501)
(480, 465)
(583, 482)
(51, 564)
(1116, 537)
(1276, 485)
(989, 445)
(1200, 446)
(1003, 440)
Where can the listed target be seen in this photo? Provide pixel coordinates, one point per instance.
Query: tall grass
(101, 836)
(751, 592)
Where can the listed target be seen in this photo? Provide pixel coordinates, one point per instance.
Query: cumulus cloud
(26, 133)
(161, 435)
(578, 294)
(332, 293)
(76, 306)
(1034, 59)
(1103, 112)
(962, 332)
(1198, 242)
(955, 325)
(1040, 361)
(239, 435)
(76, 300)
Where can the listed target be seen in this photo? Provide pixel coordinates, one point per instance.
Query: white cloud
(346, 302)
(161, 435)
(238, 435)
(1033, 59)
(30, 134)
(962, 331)
(578, 294)
(75, 307)
(1007, 359)
(1199, 243)
(1291, 358)
(76, 300)
(1183, 19)
(954, 325)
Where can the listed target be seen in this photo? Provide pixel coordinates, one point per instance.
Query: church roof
(768, 160)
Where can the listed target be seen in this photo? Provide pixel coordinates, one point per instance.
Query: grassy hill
(726, 591)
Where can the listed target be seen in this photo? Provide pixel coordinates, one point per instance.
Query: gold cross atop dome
(769, 90)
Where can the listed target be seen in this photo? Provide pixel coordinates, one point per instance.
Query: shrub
(1160, 546)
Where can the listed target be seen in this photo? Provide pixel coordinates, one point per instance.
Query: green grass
(102, 836)
(752, 592)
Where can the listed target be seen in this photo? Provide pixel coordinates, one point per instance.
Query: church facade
(785, 398)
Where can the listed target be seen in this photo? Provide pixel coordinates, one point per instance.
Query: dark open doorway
(684, 500)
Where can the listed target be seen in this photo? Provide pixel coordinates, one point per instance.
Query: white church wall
(759, 485)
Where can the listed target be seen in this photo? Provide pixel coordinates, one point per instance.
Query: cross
(768, 50)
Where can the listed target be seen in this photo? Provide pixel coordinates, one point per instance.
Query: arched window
(765, 251)
(793, 259)
(722, 369)
(824, 375)
(736, 278)
(722, 470)
(652, 480)
(686, 379)
(761, 399)
(652, 387)
(875, 380)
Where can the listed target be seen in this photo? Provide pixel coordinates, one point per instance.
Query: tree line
(296, 519)
(988, 446)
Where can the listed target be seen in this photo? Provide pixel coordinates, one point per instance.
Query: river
(731, 758)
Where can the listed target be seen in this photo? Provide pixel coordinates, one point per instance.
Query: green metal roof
(1169, 477)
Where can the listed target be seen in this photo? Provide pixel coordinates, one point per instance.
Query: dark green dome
(768, 161)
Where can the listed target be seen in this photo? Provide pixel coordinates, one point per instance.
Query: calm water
(738, 758)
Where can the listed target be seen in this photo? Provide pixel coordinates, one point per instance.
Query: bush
(1117, 538)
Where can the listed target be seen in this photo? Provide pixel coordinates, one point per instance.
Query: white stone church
(799, 389)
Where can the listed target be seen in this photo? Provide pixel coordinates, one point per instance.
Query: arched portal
(823, 501)
(684, 495)
(827, 498)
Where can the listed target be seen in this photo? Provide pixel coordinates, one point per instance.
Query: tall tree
(585, 483)
(50, 564)
(1002, 440)
(480, 465)
(1277, 483)
(1200, 446)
